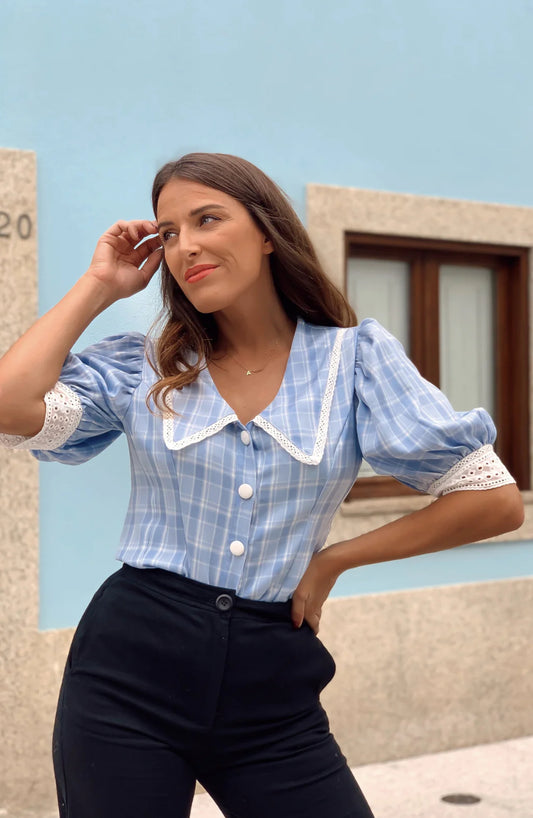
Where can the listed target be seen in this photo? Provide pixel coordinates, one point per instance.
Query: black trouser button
(224, 602)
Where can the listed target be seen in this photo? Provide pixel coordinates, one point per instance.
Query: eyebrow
(194, 212)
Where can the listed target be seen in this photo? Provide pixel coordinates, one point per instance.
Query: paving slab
(494, 781)
(500, 775)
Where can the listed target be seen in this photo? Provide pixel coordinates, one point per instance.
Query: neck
(254, 330)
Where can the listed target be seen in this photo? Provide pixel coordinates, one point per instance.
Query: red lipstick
(199, 271)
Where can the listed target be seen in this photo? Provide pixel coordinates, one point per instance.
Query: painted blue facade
(423, 96)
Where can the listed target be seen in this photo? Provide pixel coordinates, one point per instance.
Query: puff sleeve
(408, 429)
(86, 409)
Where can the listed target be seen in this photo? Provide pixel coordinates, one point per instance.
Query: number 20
(23, 227)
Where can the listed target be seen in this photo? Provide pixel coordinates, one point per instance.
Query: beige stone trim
(429, 670)
(31, 662)
(333, 211)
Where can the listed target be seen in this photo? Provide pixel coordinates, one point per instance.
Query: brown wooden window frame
(511, 364)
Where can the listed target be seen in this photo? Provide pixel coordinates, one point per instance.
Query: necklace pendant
(248, 371)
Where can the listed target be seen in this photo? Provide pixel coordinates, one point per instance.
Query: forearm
(33, 364)
(123, 263)
(456, 519)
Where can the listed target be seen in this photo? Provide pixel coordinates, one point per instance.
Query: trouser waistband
(199, 593)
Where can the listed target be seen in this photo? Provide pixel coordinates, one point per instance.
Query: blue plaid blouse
(245, 507)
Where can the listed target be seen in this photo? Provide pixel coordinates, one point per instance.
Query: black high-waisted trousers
(169, 681)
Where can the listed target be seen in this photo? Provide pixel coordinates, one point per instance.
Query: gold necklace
(247, 370)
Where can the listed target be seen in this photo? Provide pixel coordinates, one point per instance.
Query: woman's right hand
(118, 257)
(33, 364)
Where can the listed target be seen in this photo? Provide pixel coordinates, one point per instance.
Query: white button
(245, 491)
(237, 548)
(245, 437)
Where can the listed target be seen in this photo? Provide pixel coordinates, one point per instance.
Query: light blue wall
(420, 96)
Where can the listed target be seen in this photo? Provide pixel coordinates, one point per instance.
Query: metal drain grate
(460, 798)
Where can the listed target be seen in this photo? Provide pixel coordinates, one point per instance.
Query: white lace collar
(297, 418)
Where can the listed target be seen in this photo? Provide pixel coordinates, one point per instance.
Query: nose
(188, 243)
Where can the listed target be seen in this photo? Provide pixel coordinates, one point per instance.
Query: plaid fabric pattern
(205, 487)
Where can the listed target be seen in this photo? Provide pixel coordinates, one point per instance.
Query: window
(461, 311)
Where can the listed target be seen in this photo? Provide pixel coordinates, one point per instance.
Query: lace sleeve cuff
(63, 414)
(479, 470)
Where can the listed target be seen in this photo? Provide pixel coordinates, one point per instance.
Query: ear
(267, 246)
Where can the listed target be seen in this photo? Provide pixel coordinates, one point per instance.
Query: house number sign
(12, 225)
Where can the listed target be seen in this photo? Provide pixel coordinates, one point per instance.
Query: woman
(246, 420)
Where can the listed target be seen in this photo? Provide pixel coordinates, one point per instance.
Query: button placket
(239, 533)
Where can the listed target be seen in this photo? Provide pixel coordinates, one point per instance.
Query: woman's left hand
(453, 519)
(314, 588)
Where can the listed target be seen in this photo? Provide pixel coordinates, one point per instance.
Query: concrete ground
(499, 775)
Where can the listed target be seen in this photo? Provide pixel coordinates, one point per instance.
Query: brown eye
(166, 235)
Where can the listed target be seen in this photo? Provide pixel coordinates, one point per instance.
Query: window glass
(466, 335)
(379, 288)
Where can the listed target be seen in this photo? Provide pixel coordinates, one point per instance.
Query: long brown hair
(301, 283)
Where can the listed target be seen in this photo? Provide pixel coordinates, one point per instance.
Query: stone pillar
(29, 667)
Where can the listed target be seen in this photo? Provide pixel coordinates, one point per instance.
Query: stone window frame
(333, 212)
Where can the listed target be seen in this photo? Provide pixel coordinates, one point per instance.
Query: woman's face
(212, 246)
